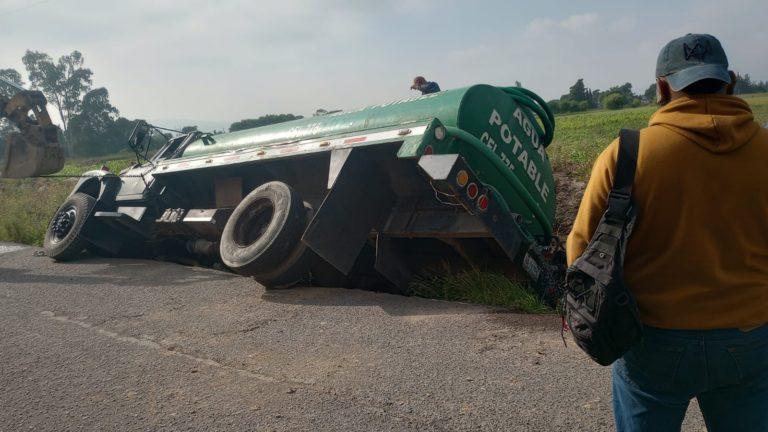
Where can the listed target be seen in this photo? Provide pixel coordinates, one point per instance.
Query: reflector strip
(278, 150)
(355, 140)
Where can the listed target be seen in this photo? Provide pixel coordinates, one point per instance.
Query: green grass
(78, 167)
(480, 287)
(27, 206)
(579, 138)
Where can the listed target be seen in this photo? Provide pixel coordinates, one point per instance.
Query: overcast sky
(226, 60)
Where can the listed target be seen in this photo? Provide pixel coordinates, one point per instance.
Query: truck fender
(100, 184)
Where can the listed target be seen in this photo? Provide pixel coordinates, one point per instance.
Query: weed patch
(481, 287)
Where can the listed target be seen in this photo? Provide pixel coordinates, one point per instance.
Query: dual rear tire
(262, 237)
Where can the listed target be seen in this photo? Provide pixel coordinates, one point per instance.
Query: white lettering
(518, 115)
(523, 158)
(519, 150)
(506, 134)
(532, 170)
(495, 118)
(489, 142)
(527, 128)
(518, 145)
(537, 183)
(506, 161)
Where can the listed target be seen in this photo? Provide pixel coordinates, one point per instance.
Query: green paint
(496, 121)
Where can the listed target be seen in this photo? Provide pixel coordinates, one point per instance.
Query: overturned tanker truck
(370, 197)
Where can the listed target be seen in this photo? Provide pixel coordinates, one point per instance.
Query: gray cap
(691, 58)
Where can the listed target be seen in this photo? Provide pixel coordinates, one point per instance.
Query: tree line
(90, 124)
(581, 98)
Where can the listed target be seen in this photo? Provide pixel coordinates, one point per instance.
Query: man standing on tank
(425, 87)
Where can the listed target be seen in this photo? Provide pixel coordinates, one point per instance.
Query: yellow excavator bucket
(35, 149)
(31, 155)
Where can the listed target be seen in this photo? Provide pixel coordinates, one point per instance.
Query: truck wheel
(295, 269)
(263, 230)
(63, 238)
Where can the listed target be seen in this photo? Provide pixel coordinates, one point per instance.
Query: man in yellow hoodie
(697, 261)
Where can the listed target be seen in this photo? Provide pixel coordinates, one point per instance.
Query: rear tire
(64, 237)
(263, 230)
(296, 269)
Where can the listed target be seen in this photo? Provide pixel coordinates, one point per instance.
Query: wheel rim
(63, 223)
(254, 223)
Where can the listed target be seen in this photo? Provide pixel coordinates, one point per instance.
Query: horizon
(171, 60)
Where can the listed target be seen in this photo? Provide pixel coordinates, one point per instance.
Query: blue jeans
(726, 370)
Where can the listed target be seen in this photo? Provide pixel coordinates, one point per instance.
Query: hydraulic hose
(536, 104)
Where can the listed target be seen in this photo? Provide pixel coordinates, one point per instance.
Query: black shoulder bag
(599, 308)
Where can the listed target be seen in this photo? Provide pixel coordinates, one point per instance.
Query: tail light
(472, 191)
(482, 202)
(462, 178)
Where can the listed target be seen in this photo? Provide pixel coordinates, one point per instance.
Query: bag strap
(626, 162)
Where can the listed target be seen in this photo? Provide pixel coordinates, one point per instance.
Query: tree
(11, 75)
(64, 83)
(618, 97)
(578, 92)
(744, 84)
(91, 129)
(518, 84)
(650, 94)
(188, 129)
(121, 129)
(615, 100)
(567, 106)
(262, 121)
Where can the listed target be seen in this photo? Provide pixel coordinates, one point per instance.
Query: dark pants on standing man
(726, 370)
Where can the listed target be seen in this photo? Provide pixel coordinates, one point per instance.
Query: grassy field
(27, 205)
(579, 138)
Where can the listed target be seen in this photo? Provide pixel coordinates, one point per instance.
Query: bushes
(614, 101)
(567, 106)
(27, 207)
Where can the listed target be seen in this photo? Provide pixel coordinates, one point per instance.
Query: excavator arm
(34, 149)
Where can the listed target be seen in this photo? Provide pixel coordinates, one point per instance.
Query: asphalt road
(134, 345)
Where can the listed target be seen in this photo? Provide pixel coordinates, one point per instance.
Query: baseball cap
(691, 58)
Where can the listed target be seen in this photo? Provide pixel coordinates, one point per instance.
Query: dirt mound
(569, 192)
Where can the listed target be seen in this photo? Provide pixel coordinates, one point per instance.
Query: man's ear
(732, 86)
(663, 91)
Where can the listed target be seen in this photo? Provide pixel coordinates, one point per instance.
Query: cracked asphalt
(108, 344)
